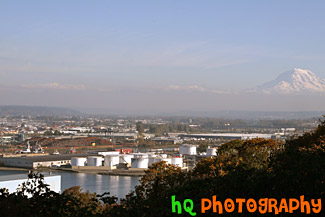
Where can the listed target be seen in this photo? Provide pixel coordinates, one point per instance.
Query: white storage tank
(104, 153)
(96, 161)
(78, 161)
(126, 158)
(111, 160)
(163, 155)
(167, 160)
(159, 159)
(140, 163)
(140, 155)
(211, 152)
(152, 160)
(187, 149)
(152, 155)
(177, 161)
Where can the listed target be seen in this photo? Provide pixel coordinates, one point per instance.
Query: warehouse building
(167, 140)
(242, 136)
(39, 161)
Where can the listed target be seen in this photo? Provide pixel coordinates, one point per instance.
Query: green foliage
(56, 132)
(139, 127)
(48, 133)
(154, 191)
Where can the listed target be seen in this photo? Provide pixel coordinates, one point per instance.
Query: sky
(162, 56)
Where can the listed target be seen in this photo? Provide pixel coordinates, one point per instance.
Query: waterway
(117, 185)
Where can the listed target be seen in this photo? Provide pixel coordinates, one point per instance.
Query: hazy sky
(157, 55)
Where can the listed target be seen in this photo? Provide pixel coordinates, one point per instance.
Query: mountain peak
(294, 81)
(302, 72)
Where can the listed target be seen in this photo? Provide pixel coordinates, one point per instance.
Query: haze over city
(138, 57)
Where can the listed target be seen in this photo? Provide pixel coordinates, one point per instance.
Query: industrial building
(167, 140)
(228, 136)
(32, 162)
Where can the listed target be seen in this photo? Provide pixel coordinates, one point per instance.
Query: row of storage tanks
(189, 149)
(136, 160)
(144, 160)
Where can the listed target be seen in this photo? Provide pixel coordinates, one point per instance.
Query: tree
(57, 132)
(139, 127)
(48, 133)
(152, 196)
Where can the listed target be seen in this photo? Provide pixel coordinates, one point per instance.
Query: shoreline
(3, 168)
(116, 172)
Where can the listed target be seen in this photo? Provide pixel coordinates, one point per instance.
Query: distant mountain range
(13, 110)
(295, 81)
(37, 111)
(252, 115)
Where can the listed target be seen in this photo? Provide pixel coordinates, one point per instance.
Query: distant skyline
(164, 56)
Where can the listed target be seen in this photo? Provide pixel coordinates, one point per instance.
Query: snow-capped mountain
(291, 82)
